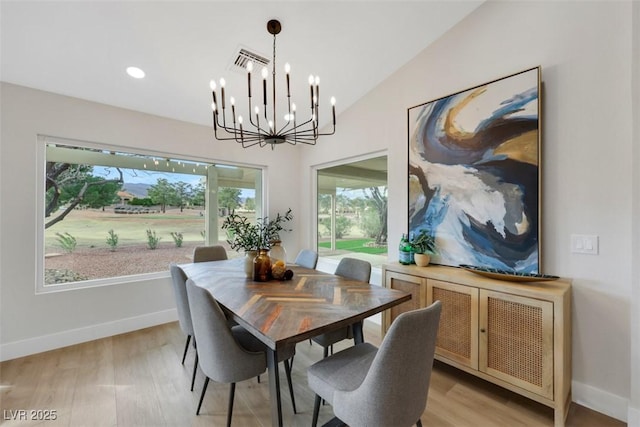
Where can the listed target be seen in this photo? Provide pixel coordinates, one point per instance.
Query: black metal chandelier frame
(291, 132)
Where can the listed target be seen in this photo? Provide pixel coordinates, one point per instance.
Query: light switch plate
(584, 244)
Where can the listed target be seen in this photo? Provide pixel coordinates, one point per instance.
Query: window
(352, 210)
(109, 214)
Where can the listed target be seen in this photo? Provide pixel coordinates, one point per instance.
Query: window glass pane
(352, 210)
(110, 214)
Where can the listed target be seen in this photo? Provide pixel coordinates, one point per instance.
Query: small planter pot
(422, 260)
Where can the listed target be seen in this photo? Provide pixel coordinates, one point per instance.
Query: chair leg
(232, 392)
(195, 368)
(287, 370)
(186, 348)
(326, 351)
(316, 411)
(204, 390)
(419, 423)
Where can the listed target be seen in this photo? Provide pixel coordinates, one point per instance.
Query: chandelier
(266, 131)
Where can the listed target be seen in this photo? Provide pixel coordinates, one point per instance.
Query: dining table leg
(358, 335)
(274, 386)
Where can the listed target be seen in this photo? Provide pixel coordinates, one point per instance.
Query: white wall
(584, 49)
(634, 409)
(30, 323)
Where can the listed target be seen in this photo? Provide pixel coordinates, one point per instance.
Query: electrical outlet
(584, 244)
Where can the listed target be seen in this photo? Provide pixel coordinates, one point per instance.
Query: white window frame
(41, 159)
(324, 262)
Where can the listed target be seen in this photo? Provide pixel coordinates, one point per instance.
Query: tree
(183, 193)
(229, 198)
(324, 203)
(250, 204)
(74, 185)
(198, 195)
(343, 203)
(99, 193)
(377, 198)
(163, 194)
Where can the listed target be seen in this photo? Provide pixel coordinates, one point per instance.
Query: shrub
(177, 238)
(152, 239)
(112, 240)
(370, 223)
(343, 225)
(67, 242)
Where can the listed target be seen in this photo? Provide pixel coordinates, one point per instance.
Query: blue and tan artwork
(474, 174)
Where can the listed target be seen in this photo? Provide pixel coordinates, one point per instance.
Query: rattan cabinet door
(458, 331)
(516, 340)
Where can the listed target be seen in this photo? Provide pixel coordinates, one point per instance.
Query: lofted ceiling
(82, 48)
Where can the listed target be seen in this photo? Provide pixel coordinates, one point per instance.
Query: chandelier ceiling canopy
(263, 127)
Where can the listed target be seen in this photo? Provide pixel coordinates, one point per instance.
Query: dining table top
(284, 312)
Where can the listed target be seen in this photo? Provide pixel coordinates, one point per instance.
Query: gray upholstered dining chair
(227, 354)
(179, 280)
(307, 258)
(350, 268)
(209, 253)
(381, 387)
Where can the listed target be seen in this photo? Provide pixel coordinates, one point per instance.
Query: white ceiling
(81, 48)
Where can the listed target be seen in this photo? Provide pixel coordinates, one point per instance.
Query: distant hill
(138, 190)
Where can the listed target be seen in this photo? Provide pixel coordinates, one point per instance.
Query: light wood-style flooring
(136, 379)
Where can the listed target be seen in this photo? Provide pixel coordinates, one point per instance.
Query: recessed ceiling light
(135, 72)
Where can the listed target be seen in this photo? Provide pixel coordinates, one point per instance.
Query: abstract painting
(474, 174)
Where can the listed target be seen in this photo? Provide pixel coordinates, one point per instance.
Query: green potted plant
(251, 238)
(423, 246)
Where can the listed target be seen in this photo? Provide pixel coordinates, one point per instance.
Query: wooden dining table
(282, 313)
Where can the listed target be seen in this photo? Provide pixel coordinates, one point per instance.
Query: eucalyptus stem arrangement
(245, 236)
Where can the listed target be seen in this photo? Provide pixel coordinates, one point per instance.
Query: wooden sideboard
(514, 334)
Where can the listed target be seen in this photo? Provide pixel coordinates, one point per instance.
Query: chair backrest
(355, 269)
(307, 258)
(395, 390)
(179, 282)
(209, 253)
(220, 356)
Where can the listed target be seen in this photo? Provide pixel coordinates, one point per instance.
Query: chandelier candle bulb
(222, 83)
(213, 107)
(311, 92)
(249, 69)
(287, 68)
(265, 72)
(333, 109)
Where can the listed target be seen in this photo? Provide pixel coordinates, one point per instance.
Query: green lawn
(355, 245)
(90, 227)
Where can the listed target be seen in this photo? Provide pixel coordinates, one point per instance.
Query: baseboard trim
(601, 401)
(13, 350)
(634, 417)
